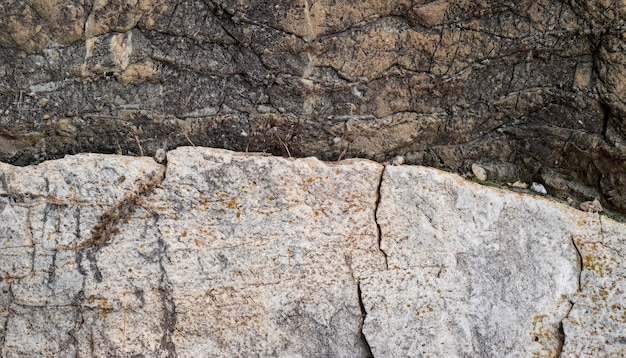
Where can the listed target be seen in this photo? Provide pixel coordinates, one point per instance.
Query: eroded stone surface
(596, 325)
(227, 254)
(43, 209)
(477, 271)
(232, 255)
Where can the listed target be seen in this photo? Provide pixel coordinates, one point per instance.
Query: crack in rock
(379, 235)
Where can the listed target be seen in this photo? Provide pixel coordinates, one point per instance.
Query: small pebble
(518, 184)
(398, 160)
(160, 156)
(538, 188)
(479, 172)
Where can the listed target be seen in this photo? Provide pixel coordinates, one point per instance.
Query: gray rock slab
(231, 255)
(219, 253)
(473, 270)
(596, 326)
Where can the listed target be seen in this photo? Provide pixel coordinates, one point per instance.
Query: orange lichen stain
(581, 223)
(238, 215)
(184, 234)
(245, 301)
(315, 213)
(142, 246)
(289, 252)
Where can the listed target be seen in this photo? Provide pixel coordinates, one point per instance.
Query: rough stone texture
(474, 272)
(531, 89)
(596, 324)
(220, 253)
(232, 255)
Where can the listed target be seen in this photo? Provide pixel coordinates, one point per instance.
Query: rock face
(218, 253)
(533, 90)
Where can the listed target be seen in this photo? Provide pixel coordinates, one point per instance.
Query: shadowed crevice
(362, 323)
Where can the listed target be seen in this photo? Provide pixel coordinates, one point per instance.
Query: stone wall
(217, 253)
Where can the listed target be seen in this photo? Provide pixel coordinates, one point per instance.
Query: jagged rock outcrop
(531, 89)
(218, 253)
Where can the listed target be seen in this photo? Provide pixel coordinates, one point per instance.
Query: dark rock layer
(532, 90)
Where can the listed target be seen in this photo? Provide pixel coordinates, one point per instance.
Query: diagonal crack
(579, 259)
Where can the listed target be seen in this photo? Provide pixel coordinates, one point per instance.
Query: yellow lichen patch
(138, 73)
(545, 334)
(232, 204)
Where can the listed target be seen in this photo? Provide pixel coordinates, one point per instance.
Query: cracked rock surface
(533, 90)
(220, 253)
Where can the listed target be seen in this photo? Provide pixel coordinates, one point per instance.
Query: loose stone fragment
(518, 184)
(479, 172)
(539, 188)
(160, 156)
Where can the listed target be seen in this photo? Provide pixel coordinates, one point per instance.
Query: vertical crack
(561, 332)
(606, 110)
(366, 344)
(378, 231)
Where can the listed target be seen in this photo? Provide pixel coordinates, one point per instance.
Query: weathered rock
(231, 255)
(595, 326)
(227, 254)
(539, 188)
(474, 271)
(527, 85)
(479, 172)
